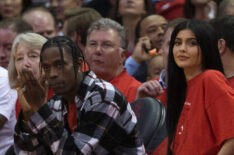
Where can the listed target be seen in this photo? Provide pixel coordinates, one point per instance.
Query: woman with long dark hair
(200, 107)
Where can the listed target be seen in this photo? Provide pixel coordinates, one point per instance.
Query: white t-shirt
(8, 98)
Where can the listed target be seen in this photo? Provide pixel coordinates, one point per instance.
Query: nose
(2, 53)
(53, 73)
(161, 30)
(98, 50)
(182, 47)
(26, 63)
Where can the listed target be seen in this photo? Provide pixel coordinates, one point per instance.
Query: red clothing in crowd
(170, 9)
(127, 85)
(231, 81)
(207, 118)
(18, 106)
(71, 116)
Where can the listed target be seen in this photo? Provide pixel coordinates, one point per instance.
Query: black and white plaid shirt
(105, 124)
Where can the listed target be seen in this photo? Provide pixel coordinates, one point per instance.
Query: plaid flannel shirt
(105, 124)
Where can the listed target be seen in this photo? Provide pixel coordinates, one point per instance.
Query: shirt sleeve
(131, 65)
(220, 107)
(7, 98)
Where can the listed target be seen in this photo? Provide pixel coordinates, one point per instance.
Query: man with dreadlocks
(86, 116)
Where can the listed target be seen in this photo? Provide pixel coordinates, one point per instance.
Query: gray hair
(105, 24)
(34, 41)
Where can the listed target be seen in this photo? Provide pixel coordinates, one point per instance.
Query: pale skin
(186, 54)
(27, 67)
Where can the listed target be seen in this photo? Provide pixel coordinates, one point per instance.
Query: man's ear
(76, 38)
(221, 46)
(123, 54)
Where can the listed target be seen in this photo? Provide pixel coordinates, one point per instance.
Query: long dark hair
(176, 79)
(63, 42)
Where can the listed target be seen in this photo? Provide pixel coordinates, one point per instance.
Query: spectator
(198, 95)
(170, 9)
(7, 112)
(105, 54)
(224, 28)
(152, 88)
(59, 7)
(128, 13)
(42, 21)
(77, 23)
(226, 7)
(9, 28)
(155, 66)
(149, 32)
(86, 116)
(204, 10)
(25, 54)
(13, 8)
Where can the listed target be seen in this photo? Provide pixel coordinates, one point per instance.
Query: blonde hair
(34, 41)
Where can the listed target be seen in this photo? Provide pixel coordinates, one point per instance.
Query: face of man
(154, 27)
(6, 39)
(42, 23)
(59, 6)
(104, 54)
(60, 75)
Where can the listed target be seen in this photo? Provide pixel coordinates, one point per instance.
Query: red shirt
(231, 81)
(207, 118)
(127, 85)
(71, 116)
(170, 9)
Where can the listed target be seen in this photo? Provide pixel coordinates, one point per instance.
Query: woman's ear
(221, 46)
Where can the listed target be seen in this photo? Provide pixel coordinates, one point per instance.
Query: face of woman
(187, 52)
(10, 8)
(27, 58)
(131, 7)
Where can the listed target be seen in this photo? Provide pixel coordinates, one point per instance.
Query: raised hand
(149, 89)
(140, 55)
(32, 92)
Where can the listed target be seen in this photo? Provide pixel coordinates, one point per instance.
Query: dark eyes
(188, 43)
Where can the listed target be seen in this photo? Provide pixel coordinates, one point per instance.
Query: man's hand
(149, 89)
(139, 54)
(32, 93)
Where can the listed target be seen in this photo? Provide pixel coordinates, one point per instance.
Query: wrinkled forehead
(156, 20)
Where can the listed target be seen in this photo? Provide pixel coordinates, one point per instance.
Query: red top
(18, 106)
(170, 9)
(231, 81)
(71, 116)
(127, 85)
(207, 118)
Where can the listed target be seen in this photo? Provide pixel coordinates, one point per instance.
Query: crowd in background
(90, 59)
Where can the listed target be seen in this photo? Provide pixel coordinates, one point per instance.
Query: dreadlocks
(65, 42)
